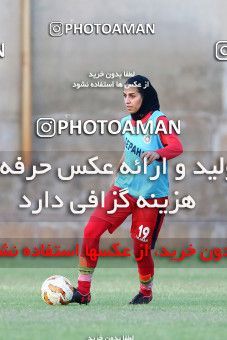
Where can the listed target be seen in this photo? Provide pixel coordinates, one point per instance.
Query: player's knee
(94, 228)
(90, 231)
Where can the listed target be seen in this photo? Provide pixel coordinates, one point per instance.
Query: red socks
(84, 283)
(84, 287)
(146, 290)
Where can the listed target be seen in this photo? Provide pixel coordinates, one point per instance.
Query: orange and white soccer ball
(57, 290)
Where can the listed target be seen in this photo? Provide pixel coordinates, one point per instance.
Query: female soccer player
(142, 104)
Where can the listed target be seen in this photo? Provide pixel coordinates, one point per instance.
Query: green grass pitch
(188, 304)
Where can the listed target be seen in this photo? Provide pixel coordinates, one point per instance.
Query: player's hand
(150, 155)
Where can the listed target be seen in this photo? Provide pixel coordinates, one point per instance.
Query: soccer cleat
(79, 298)
(140, 299)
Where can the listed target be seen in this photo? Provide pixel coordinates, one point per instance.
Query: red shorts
(146, 222)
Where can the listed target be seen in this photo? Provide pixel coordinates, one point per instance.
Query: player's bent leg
(87, 263)
(99, 222)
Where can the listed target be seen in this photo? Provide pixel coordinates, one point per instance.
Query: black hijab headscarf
(150, 98)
